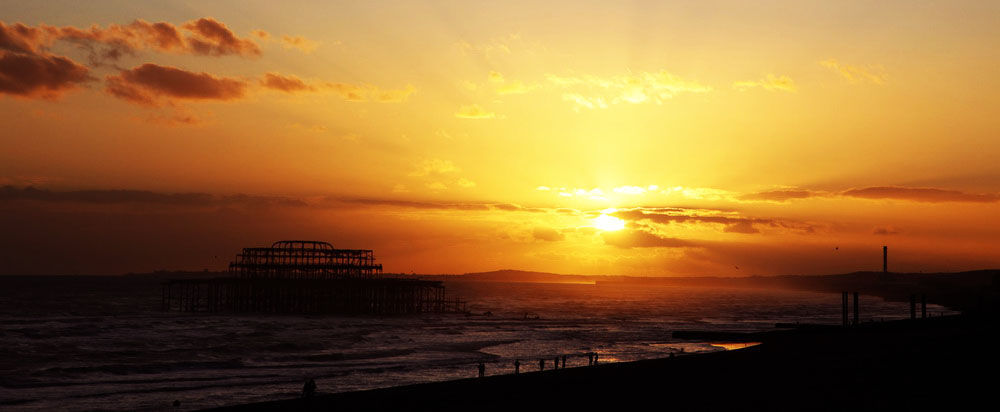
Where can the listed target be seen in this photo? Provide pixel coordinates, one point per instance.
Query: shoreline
(883, 365)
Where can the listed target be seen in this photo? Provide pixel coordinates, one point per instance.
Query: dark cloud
(30, 193)
(630, 238)
(741, 227)
(26, 70)
(19, 38)
(547, 234)
(149, 83)
(930, 195)
(507, 206)
(39, 75)
(412, 204)
(363, 93)
(916, 194)
(732, 224)
(11, 193)
(778, 195)
(288, 84)
(885, 231)
(215, 39)
(205, 36)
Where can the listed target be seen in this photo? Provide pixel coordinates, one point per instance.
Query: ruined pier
(307, 277)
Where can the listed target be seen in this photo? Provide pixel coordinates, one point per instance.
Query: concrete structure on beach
(296, 276)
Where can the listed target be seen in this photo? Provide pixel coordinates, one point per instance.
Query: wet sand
(946, 363)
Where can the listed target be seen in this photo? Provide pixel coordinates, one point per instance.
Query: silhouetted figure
(555, 365)
(309, 389)
(177, 403)
(590, 359)
(596, 355)
(564, 361)
(541, 364)
(482, 370)
(517, 366)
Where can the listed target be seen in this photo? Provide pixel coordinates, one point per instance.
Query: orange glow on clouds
(648, 139)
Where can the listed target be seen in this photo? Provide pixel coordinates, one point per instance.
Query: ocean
(101, 343)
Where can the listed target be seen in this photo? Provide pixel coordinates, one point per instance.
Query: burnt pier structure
(307, 277)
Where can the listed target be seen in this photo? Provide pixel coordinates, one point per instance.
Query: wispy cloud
(856, 74)
(285, 83)
(643, 237)
(499, 47)
(779, 195)
(369, 93)
(352, 92)
(503, 86)
(770, 83)
(592, 91)
(474, 111)
(920, 194)
(913, 194)
(298, 42)
(434, 166)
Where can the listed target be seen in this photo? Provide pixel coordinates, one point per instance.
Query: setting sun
(608, 223)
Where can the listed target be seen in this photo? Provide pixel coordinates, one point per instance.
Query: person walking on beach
(556, 365)
(596, 355)
(541, 364)
(590, 359)
(309, 389)
(564, 361)
(482, 370)
(517, 366)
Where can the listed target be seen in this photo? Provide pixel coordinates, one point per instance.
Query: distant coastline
(965, 291)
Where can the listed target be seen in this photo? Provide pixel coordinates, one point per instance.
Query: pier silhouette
(307, 277)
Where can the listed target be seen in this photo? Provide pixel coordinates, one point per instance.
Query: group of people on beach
(309, 389)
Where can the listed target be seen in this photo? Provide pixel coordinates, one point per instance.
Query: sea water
(101, 343)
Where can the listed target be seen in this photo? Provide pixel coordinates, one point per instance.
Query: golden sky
(640, 138)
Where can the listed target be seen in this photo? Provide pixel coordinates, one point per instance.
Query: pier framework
(307, 277)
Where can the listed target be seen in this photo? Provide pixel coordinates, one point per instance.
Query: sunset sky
(659, 138)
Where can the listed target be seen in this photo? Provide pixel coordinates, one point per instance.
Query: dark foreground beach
(943, 363)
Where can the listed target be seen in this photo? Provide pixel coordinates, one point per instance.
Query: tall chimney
(885, 259)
